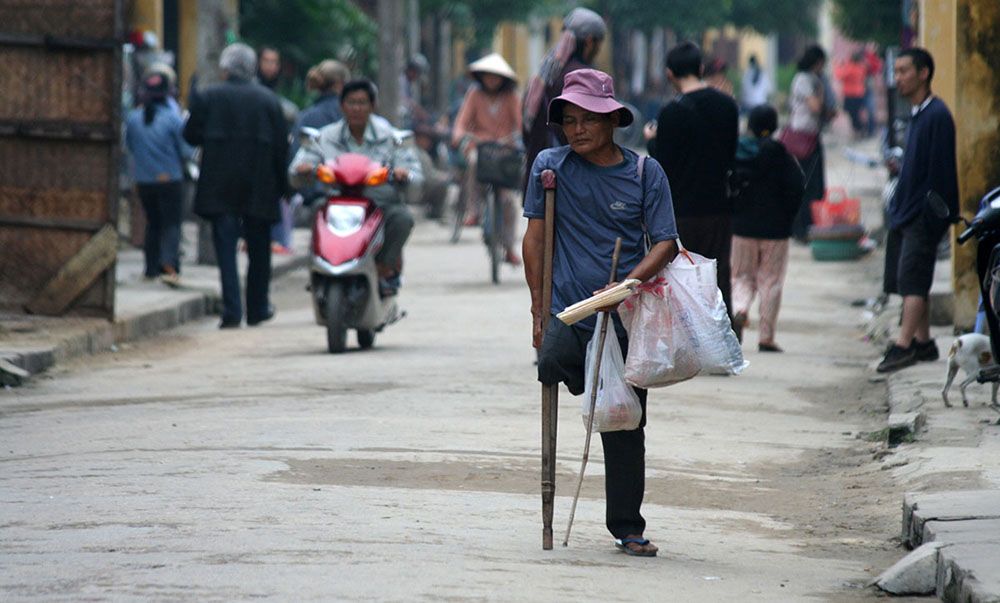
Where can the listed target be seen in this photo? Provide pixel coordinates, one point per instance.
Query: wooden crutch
(550, 393)
(593, 389)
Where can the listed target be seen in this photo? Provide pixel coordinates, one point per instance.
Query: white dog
(970, 352)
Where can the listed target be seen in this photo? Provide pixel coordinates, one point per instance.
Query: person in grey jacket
(365, 133)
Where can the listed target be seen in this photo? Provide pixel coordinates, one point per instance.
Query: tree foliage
(865, 20)
(690, 17)
(480, 18)
(776, 16)
(308, 31)
(686, 17)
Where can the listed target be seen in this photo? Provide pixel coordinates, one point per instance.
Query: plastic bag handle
(681, 250)
(829, 197)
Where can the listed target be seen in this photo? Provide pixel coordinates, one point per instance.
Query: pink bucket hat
(592, 90)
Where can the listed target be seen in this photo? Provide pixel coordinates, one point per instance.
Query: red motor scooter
(347, 233)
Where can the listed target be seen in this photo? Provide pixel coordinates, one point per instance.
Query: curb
(906, 416)
(962, 527)
(126, 329)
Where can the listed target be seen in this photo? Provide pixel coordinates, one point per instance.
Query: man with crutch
(599, 195)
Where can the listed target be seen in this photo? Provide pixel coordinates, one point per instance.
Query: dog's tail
(955, 347)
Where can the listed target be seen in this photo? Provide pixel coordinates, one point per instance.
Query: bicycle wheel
(493, 230)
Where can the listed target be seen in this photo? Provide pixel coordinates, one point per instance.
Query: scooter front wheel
(366, 338)
(336, 318)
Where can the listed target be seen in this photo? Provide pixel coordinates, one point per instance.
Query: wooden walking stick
(593, 390)
(550, 393)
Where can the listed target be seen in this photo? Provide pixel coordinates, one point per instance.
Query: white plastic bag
(678, 326)
(694, 294)
(658, 353)
(617, 407)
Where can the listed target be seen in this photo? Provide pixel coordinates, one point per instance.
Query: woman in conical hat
(491, 112)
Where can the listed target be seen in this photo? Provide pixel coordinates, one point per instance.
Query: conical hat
(493, 63)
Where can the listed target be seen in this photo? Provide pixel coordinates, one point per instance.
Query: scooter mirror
(939, 207)
(308, 137)
(401, 137)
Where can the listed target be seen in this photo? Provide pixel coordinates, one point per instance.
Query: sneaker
(897, 358)
(926, 351)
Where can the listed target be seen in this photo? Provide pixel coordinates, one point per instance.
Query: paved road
(250, 464)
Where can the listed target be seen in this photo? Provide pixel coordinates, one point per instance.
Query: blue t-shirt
(158, 150)
(594, 206)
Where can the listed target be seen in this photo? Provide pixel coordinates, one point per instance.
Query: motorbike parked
(985, 228)
(347, 232)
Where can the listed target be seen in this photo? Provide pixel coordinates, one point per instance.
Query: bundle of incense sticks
(589, 306)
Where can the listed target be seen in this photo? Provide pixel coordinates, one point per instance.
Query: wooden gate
(60, 126)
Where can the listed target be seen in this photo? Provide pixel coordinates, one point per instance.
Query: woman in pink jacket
(490, 112)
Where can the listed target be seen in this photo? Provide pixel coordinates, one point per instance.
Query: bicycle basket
(499, 165)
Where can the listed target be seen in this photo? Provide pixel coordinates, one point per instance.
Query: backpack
(738, 179)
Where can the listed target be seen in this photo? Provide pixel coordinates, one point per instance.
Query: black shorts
(910, 254)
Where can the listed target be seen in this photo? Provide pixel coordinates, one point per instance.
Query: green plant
(308, 31)
(864, 20)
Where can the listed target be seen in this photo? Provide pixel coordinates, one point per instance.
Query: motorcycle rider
(363, 132)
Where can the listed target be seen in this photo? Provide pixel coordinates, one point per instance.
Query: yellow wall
(188, 44)
(752, 43)
(147, 15)
(962, 35)
(511, 41)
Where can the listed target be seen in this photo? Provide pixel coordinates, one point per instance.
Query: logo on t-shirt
(618, 205)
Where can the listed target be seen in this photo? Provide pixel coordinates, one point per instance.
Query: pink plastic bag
(657, 354)
(678, 326)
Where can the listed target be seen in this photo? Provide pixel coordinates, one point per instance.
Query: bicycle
(498, 166)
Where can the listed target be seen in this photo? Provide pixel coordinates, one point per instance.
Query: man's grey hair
(585, 23)
(239, 60)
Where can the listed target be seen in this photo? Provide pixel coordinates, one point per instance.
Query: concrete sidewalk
(950, 467)
(142, 308)
(946, 459)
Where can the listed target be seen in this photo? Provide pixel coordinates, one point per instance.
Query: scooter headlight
(345, 220)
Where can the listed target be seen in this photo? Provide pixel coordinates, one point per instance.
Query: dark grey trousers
(563, 358)
(398, 225)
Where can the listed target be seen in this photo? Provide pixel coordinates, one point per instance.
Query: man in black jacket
(695, 142)
(929, 167)
(242, 132)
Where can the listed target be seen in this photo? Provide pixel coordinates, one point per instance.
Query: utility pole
(412, 27)
(442, 63)
(390, 57)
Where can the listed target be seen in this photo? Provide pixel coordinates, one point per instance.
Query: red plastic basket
(836, 208)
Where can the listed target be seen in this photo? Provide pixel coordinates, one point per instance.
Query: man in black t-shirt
(695, 141)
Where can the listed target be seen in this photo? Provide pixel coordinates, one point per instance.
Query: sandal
(622, 545)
